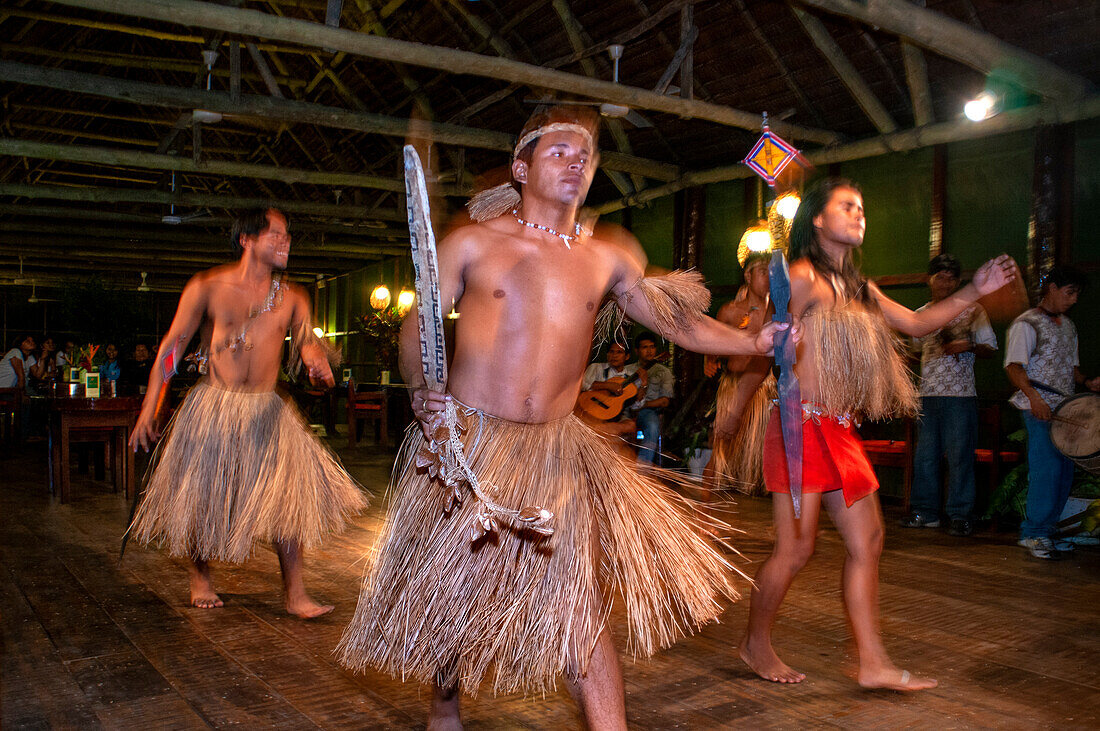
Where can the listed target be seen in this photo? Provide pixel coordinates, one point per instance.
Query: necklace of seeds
(272, 301)
(566, 238)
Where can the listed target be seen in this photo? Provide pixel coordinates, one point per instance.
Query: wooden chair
(11, 415)
(368, 406)
(895, 453)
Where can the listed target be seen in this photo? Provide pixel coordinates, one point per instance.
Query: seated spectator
(657, 382)
(949, 407)
(14, 372)
(135, 372)
(610, 377)
(13, 368)
(65, 357)
(111, 368)
(44, 368)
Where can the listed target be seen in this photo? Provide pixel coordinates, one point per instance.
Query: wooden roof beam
(857, 87)
(285, 110)
(254, 23)
(153, 161)
(194, 200)
(916, 77)
(959, 41)
(377, 231)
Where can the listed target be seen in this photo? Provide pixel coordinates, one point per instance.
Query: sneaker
(960, 527)
(1039, 547)
(915, 520)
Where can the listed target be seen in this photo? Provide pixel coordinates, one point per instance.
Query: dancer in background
(238, 464)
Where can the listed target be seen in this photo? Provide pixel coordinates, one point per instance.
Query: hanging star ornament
(771, 155)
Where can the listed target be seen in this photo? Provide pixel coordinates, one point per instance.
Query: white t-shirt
(603, 371)
(8, 376)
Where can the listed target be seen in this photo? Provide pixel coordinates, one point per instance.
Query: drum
(1075, 430)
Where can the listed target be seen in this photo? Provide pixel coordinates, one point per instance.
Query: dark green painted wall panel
(897, 201)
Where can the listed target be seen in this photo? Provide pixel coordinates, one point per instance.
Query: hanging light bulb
(981, 107)
(757, 238)
(380, 297)
(405, 300)
(786, 205)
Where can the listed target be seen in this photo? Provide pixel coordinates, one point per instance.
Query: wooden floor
(87, 643)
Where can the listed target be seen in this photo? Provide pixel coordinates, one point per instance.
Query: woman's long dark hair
(804, 242)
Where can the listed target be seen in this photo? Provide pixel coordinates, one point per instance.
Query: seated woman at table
(111, 369)
(14, 371)
(43, 368)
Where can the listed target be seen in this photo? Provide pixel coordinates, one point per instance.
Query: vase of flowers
(382, 329)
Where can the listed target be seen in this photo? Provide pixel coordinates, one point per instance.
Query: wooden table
(118, 414)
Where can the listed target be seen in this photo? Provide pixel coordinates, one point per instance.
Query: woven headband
(553, 127)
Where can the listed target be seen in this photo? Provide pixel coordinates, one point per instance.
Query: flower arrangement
(85, 357)
(383, 328)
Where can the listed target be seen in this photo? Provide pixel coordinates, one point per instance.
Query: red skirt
(832, 459)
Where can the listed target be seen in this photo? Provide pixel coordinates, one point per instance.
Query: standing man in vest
(949, 406)
(1041, 361)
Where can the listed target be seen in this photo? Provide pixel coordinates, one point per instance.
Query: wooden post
(939, 201)
(1047, 239)
(688, 236)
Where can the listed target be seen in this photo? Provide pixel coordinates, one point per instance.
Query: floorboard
(89, 642)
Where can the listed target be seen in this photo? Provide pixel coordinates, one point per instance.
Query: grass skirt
(238, 467)
(521, 606)
(738, 460)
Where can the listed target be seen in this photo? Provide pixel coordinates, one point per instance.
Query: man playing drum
(1041, 361)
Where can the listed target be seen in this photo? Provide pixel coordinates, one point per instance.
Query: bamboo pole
(284, 110)
(959, 41)
(912, 139)
(251, 22)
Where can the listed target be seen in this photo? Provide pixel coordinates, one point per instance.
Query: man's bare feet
(765, 663)
(305, 608)
(204, 596)
(891, 678)
(445, 723)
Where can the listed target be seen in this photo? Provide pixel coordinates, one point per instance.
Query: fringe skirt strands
(238, 467)
(738, 454)
(524, 607)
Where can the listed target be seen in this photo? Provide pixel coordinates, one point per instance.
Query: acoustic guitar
(604, 405)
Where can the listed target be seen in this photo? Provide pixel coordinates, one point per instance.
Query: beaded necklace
(566, 238)
(272, 301)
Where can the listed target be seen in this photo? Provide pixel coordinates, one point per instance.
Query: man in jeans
(949, 407)
(1041, 361)
(656, 395)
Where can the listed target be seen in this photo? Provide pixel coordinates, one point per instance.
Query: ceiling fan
(34, 298)
(144, 286)
(174, 219)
